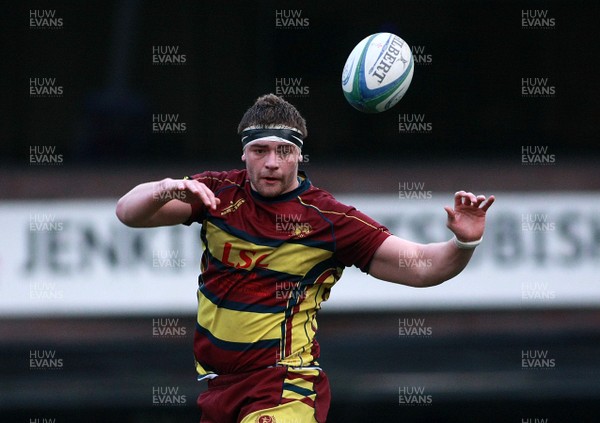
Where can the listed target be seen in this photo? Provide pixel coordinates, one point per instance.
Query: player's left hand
(467, 219)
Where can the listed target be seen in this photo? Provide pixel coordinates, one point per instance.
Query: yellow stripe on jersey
(298, 388)
(201, 370)
(241, 254)
(237, 326)
(302, 383)
(302, 331)
(304, 325)
(294, 411)
(292, 395)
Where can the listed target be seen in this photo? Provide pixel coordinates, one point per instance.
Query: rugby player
(273, 247)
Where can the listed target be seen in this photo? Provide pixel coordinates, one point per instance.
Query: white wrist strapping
(466, 245)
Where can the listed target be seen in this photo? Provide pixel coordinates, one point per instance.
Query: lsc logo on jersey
(242, 259)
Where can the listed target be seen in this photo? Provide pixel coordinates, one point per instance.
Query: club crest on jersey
(266, 419)
(232, 206)
(300, 230)
(292, 225)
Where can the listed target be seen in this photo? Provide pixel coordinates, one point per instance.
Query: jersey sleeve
(212, 180)
(357, 236)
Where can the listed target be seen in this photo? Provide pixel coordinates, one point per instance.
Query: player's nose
(272, 160)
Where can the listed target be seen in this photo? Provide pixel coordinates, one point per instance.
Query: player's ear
(243, 157)
(300, 158)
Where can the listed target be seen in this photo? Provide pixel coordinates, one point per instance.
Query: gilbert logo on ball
(377, 73)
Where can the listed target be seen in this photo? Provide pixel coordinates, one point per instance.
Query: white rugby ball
(377, 73)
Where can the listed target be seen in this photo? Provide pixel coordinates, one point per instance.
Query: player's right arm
(163, 203)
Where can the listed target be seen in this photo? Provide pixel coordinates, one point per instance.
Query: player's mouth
(270, 179)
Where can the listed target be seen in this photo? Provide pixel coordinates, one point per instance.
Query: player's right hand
(189, 191)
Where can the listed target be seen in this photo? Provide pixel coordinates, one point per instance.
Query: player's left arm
(421, 265)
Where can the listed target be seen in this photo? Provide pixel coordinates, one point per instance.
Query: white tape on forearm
(466, 245)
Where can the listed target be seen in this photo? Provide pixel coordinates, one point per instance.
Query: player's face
(272, 167)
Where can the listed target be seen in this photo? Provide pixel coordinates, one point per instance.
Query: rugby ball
(377, 73)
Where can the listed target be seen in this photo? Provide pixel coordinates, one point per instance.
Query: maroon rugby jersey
(267, 265)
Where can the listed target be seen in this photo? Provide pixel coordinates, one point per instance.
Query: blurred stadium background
(96, 320)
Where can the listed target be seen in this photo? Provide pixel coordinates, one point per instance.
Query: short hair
(270, 111)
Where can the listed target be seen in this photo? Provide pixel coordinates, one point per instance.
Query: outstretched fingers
(464, 198)
(200, 191)
(450, 212)
(487, 203)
